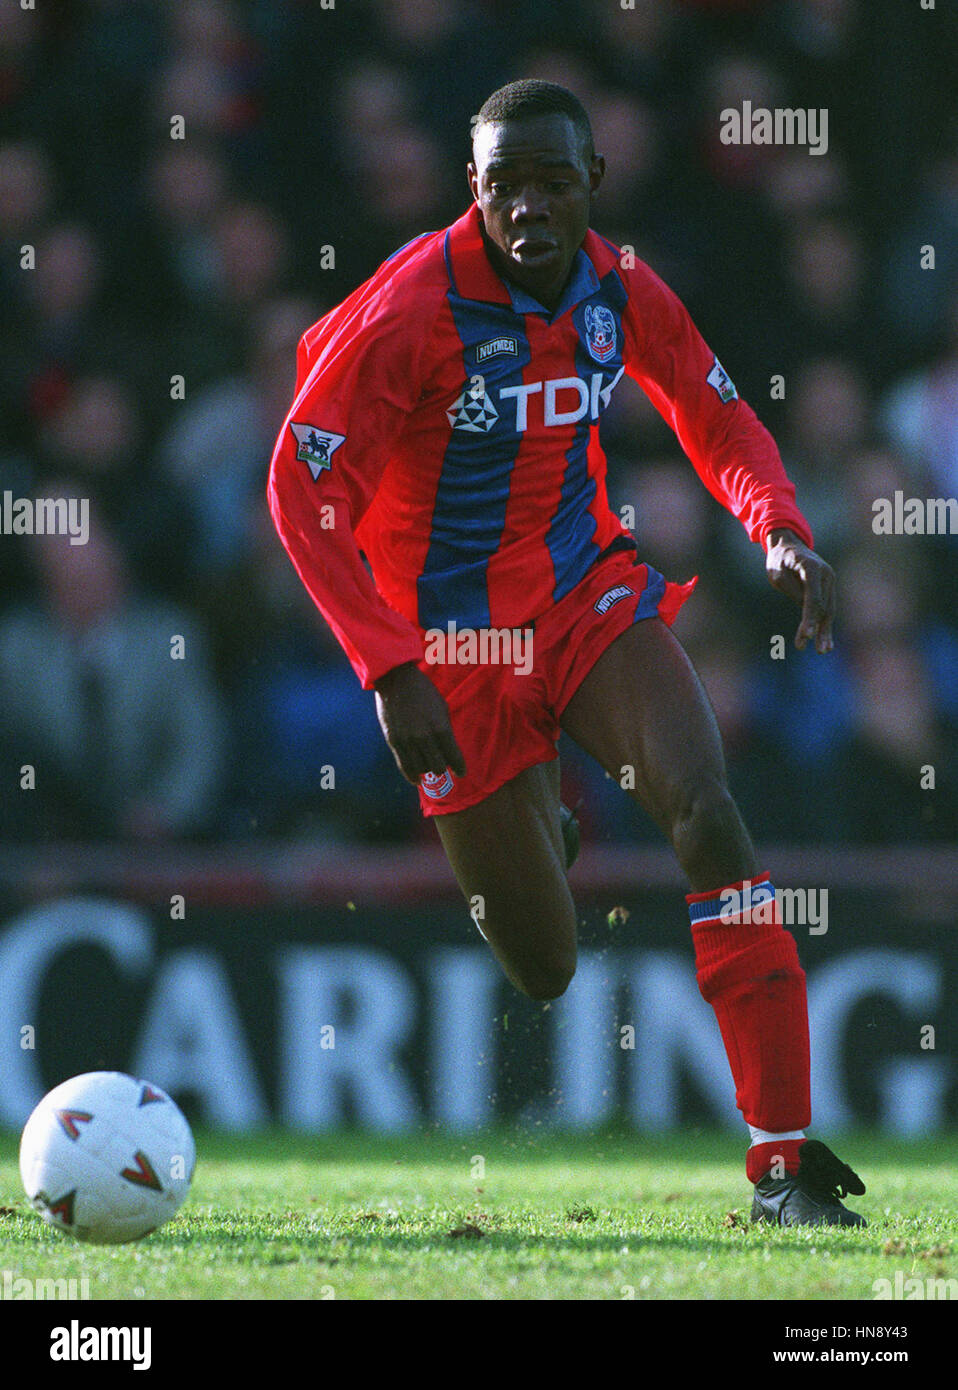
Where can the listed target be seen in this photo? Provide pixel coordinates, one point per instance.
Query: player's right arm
(415, 723)
(356, 384)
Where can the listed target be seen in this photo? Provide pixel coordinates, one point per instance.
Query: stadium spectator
(25, 198)
(899, 775)
(920, 415)
(314, 762)
(827, 403)
(95, 439)
(672, 517)
(213, 448)
(126, 740)
(825, 311)
(185, 191)
(917, 300)
(68, 325)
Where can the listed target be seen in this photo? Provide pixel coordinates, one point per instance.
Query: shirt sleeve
(730, 449)
(358, 377)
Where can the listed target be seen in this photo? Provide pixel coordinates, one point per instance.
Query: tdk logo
(565, 401)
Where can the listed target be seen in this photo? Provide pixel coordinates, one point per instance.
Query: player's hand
(794, 569)
(415, 721)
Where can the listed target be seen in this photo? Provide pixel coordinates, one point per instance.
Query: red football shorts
(505, 712)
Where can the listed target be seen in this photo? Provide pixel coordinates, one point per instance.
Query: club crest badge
(437, 785)
(599, 332)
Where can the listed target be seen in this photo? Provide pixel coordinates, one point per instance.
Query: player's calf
(509, 855)
(748, 969)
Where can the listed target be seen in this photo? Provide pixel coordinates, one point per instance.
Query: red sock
(748, 969)
(762, 1157)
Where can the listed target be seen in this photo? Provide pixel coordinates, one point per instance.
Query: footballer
(445, 427)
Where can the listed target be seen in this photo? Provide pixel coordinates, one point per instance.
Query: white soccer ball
(107, 1158)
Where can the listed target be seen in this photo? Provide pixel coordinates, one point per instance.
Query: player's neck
(548, 295)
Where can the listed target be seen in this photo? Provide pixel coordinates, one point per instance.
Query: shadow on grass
(518, 1146)
(358, 1246)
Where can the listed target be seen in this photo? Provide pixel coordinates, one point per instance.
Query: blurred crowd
(147, 356)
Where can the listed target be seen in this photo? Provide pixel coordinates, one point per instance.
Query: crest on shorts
(599, 332)
(436, 784)
(315, 446)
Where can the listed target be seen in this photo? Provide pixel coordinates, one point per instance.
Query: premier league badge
(599, 332)
(315, 447)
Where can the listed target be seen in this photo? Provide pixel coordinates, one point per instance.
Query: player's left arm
(731, 450)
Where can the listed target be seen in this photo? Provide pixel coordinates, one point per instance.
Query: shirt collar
(582, 282)
(474, 277)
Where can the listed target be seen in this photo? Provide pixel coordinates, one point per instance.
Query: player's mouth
(534, 249)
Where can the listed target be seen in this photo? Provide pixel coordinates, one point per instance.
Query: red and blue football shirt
(445, 425)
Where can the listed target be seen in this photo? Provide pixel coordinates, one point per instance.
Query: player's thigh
(643, 707)
(507, 851)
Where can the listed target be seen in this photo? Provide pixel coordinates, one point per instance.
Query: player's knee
(708, 834)
(543, 980)
(706, 811)
(543, 969)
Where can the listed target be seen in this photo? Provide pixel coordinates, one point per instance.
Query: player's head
(528, 98)
(533, 173)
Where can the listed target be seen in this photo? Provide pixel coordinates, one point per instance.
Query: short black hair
(532, 97)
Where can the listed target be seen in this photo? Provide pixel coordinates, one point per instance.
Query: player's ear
(472, 174)
(596, 172)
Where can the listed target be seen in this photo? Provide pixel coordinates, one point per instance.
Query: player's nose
(530, 206)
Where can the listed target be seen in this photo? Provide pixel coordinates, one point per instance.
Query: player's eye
(499, 190)
(558, 186)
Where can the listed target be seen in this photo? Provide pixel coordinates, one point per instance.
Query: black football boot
(810, 1196)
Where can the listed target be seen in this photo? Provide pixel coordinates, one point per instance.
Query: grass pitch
(502, 1215)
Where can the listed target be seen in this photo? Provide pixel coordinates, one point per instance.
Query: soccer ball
(107, 1158)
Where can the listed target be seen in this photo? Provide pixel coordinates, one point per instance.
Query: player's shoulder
(403, 294)
(412, 280)
(638, 278)
(651, 310)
